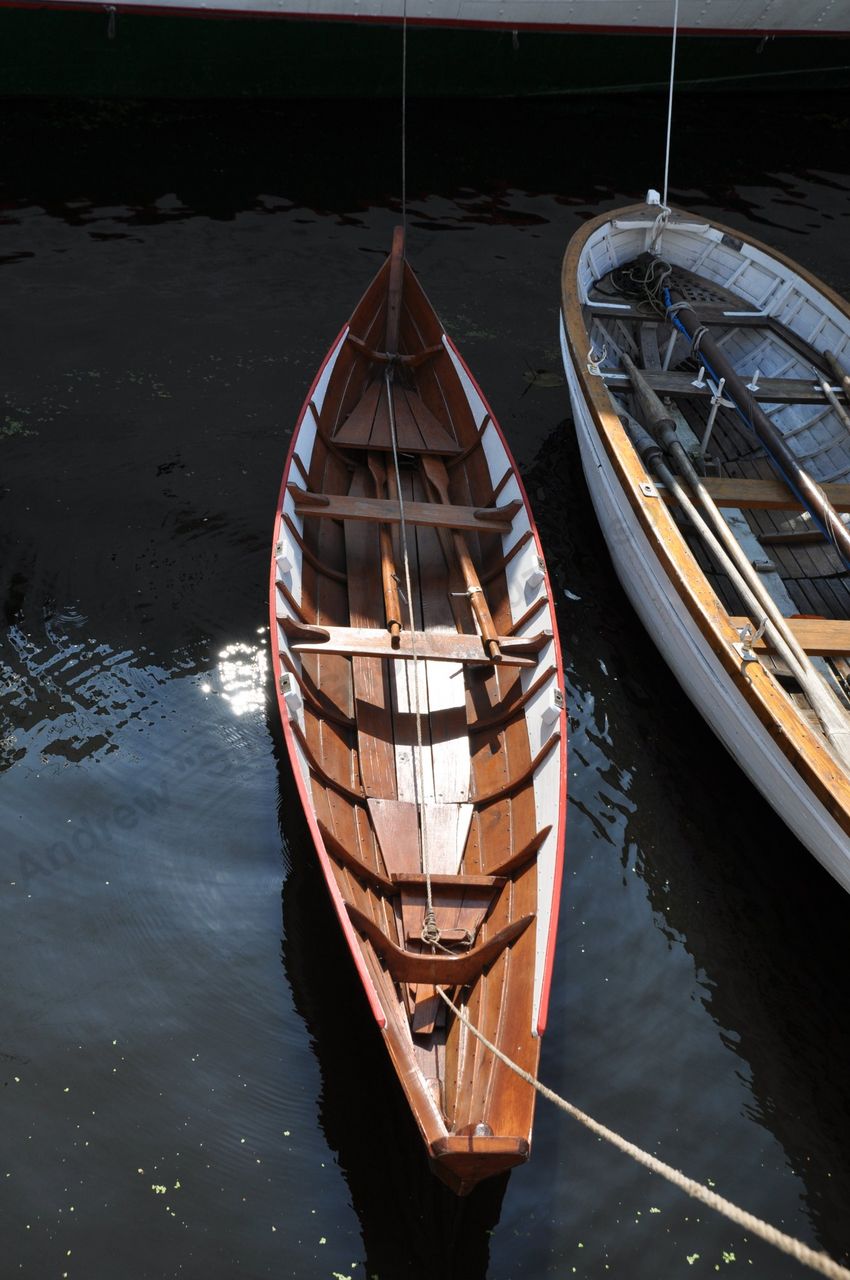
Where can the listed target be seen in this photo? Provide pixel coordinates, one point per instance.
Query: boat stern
(463, 1160)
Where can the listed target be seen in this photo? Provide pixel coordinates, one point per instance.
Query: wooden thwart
(768, 391)
(822, 637)
(763, 495)
(387, 511)
(437, 646)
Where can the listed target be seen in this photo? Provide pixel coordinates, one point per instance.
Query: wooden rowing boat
(430, 758)
(705, 372)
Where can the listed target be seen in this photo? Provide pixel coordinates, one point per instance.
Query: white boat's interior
(764, 291)
(774, 326)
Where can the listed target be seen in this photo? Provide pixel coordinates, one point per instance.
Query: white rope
(670, 98)
(820, 1262)
(430, 932)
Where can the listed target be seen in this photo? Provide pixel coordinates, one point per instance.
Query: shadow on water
(728, 883)
(412, 1226)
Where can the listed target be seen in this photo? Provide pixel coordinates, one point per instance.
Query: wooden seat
(724, 314)
(387, 511)
(438, 646)
(368, 425)
(460, 882)
(762, 494)
(821, 637)
(769, 390)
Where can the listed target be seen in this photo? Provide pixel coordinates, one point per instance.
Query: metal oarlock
(716, 401)
(593, 362)
(748, 639)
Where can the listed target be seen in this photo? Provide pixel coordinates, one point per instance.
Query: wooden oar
(438, 478)
(392, 603)
(843, 380)
(728, 555)
(840, 375)
(798, 479)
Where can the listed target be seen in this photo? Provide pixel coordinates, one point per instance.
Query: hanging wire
(670, 99)
(404, 119)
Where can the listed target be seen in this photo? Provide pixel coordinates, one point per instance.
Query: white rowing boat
(706, 374)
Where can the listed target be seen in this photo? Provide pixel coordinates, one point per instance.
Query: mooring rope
(430, 932)
(820, 1262)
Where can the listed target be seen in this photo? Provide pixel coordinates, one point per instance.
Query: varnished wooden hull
(746, 705)
(489, 784)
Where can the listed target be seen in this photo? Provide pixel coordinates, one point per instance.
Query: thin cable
(404, 119)
(430, 931)
(771, 1235)
(670, 98)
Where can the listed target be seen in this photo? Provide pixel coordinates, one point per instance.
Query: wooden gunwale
(301, 784)
(800, 744)
(562, 723)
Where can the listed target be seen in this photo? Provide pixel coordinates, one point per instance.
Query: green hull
(45, 52)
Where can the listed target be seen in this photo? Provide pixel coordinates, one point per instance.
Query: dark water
(186, 1095)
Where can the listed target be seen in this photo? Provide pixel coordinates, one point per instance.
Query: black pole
(803, 485)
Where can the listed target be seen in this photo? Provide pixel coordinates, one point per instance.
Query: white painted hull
(691, 658)
(732, 17)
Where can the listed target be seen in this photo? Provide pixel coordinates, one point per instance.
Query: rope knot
(430, 930)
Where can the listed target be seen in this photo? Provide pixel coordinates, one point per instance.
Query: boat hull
(475, 762)
(692, 658)
(775, 312)
(71, 52)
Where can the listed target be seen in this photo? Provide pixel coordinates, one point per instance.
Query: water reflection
(241, 676)
(412, 1226)
(730, 888)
